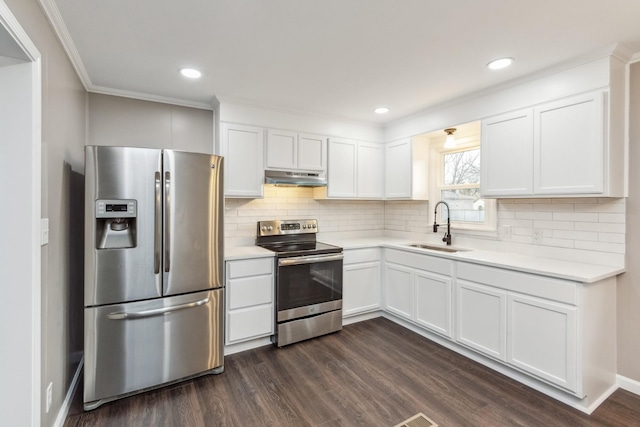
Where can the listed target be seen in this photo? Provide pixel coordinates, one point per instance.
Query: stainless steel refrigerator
(153, 269)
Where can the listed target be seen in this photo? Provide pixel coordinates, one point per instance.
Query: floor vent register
(419, 420)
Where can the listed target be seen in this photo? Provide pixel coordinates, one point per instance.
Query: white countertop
(245, 252)
(561, 269)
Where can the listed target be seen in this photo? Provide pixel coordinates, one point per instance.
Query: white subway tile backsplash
(575, 235)
(554, 225)
(595, 224)
(618, 218)
(575, 216)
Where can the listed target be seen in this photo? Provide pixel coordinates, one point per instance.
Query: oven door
(308, 285)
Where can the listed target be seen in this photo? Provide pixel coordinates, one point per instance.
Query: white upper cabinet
(355, 170)
(569, 145)
(341, 177)
(506, 155)
(370, 172)
(282, 149)
(560, 148)
(243, 160)
(295, 151)
(312, 152)
(405, 164)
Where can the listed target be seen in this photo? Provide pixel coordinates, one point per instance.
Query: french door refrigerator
(153, 269)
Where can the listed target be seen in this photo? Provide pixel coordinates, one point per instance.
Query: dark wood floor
(373, 373)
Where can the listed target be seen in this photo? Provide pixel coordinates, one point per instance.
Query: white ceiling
(338, 57)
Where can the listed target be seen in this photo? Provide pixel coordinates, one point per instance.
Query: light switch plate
(44, 231)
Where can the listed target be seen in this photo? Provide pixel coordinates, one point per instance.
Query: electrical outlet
(49, 396)
(537, 235)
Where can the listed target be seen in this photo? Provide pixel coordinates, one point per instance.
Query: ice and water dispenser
(116, 224)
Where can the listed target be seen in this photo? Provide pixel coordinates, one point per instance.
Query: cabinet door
(369, 169)
(361, 288)
(312, 152)
(433, 302)
(399, 298)
(282, 149)
(542, 339)
(569, 146)
(481, 319)
(243, 163)
(507, 155)
(341, 178)
(398, 173)
(248, 323)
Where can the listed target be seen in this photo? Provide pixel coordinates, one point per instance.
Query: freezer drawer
(135, 346)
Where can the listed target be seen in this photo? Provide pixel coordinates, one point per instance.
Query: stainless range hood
(295, 179)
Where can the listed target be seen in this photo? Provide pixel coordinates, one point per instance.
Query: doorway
(20, 195)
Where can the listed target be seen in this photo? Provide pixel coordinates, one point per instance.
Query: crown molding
(223, 99)
(19, 35)
(614, 50)
(60, 28)
(148, 97)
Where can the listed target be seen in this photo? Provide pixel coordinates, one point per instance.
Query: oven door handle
(309, 259)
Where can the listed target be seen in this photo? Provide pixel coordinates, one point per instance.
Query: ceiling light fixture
(381, 110)
(191, 73)
(498, 64)
(451, 140)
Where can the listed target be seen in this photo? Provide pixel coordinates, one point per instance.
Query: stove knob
(304, 226)
(263, 228)
(315, 226)
(269, 228)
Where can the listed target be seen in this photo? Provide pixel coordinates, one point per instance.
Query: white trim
(36, 201)
(16, 31)
(13, 27)
(628, 384)
(153, 98)
(60, 28)
(68, 400)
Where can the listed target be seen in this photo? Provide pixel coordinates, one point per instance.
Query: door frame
(32, 197)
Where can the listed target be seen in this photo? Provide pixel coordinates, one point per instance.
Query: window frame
(490, 224)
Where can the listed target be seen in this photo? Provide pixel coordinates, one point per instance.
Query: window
(456, 180)
(460, 186)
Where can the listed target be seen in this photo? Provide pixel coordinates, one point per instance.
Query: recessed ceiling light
(500, 63)
(191, 73)
(381, 110)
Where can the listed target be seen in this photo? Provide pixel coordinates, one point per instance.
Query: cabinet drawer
(249, 267)
(249, 323)
(249, 291)
(425, 262)
(355, 256)
(531, 284)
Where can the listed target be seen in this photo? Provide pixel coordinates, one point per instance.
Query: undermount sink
(435, 248)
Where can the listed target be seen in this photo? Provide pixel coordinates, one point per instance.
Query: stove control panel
(291, 226)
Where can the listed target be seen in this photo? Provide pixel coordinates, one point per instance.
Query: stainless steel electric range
(308, 280)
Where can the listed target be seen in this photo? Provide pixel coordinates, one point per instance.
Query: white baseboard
(66, 405)
(628, 384)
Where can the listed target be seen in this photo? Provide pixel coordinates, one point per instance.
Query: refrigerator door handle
(167, 221)
(157, 235)
(155, 312)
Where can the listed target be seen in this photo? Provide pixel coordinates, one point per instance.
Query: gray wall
(629, 282)
(118, 121)
(63, 134)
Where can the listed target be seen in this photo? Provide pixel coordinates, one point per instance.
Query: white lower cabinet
(399, 295)
(481, 319)
(361, 281)
(528, 321)
(419, 288)
(542, 339)
(433, 302)
(249, 299)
